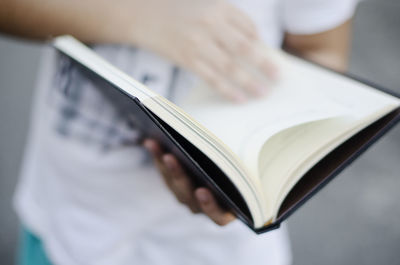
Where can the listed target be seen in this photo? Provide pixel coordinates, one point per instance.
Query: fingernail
(203, 197)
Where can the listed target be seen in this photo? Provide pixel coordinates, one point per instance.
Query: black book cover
(206, 173)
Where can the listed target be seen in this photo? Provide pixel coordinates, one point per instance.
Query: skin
(187, 33)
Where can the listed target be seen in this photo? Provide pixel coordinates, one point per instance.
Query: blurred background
(354, 220)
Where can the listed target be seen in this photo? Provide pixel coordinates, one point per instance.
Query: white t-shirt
(93, 196)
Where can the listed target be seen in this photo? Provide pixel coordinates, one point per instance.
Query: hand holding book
(197, 199)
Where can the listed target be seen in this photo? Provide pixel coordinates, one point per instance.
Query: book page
(289, 154)
(310, 105)
(285, 152)
(246, 127)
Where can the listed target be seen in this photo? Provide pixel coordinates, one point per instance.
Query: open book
(264, 158)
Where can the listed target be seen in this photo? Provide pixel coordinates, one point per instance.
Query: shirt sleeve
(314, 16)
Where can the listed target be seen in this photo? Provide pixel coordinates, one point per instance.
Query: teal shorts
(31, 250)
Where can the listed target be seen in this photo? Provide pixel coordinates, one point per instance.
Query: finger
(153, 147)
(173, 175)
(231, 78)
(245, 73)
(242, 22)
(231, 39)
(248, 81)
(156, 152)
(210, 207)
(211, 76)
(249, 51)
(231, 72)
(176, 174)
(218, 60)
(258, 57)
(179, 182)
(235, 71)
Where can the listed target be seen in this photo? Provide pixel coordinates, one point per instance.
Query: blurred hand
(197, 199)
(208, 37)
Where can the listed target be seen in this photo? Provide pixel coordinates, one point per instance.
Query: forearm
(330, 48)
(90, 20)
(333, 59)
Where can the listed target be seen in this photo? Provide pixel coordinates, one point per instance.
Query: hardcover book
(262, 159)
